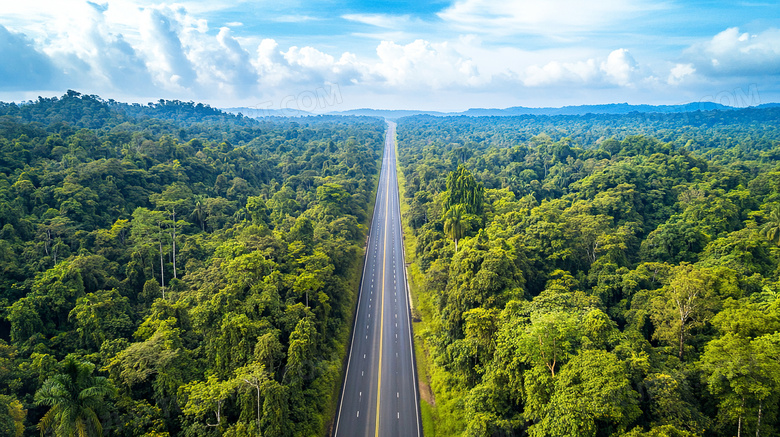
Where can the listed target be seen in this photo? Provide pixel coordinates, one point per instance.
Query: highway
(379, 397)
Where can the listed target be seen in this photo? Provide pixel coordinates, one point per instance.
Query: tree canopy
(172, 270)
(595, 275)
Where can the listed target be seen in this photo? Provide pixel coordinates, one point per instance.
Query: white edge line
(415, 382)
(360, 297)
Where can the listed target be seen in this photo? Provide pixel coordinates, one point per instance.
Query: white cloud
(679, 72)
(735, 53)
(167, 59)
(556, 72)
(384, 21)
(156, 49)
(550, 17)
(87, 49)
(23, 67)
(225, 66)
(303, 68)
(424, 64)
(620, 67)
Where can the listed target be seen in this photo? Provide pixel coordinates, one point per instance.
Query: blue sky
(324, 55)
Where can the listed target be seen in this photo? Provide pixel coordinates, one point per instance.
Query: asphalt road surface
(379, 397)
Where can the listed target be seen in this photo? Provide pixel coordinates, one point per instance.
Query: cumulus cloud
(144, 48)
(221, 65)
(619, 68)
(679, 72)
(419, 64)
(424, 64)
(556, 72)
(735, 53)
(87, 52)
(23, 67)
(165, 53)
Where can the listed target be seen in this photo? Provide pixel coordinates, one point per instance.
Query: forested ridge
(171, 270)
(596, 275)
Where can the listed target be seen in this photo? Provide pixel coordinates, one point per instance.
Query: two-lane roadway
(379, 397)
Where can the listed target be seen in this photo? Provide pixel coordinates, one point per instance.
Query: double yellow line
(382, 303)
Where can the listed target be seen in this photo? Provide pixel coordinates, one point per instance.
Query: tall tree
(146, 235)
(744, 374)
(255, 376)
(463, 189)
(685, 303)
(591, 395)
(176, 197)
(771, 229)
(207, 397)
(75, 397)
(454, 223)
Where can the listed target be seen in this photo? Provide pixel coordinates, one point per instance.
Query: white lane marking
(358, 413)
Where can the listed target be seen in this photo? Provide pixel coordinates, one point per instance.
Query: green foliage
(12, 416)
(591, 395)
(688, 301)
(205, 262)
(611, 275)
(463, 189)
(75, 398)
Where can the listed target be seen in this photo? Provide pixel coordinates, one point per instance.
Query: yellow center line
(382, 302)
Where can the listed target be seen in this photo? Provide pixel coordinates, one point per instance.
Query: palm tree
(75, 397)
(771, 229)
(454, 226)
(199, 214)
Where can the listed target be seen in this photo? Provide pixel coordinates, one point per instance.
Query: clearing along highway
(379, 397)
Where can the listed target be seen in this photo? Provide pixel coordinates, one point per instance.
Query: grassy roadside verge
(442, 401)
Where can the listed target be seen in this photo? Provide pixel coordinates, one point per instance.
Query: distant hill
(263, 112)
(392, 113)
(611, 108)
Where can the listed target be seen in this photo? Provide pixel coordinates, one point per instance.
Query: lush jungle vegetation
(171, 270)
(596, 275)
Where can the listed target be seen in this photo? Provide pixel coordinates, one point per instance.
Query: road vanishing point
(379, 397)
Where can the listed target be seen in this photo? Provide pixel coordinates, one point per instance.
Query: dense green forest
(168, 269)
(596, 275)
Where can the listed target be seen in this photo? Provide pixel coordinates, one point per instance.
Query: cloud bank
(168, 51)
